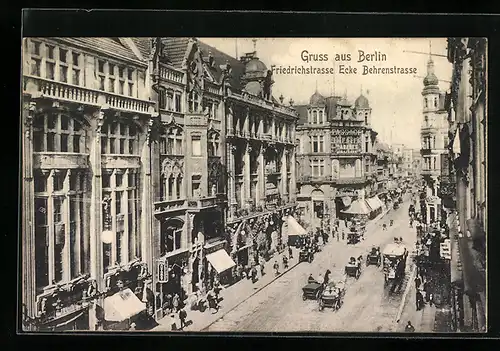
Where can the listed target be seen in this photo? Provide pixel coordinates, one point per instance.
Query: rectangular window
(130, 74)
(196, 145)
(162, 99)
(119, 180)
(195, 184)
(51, 140)
(38, 141)
(111, 85)
(64, 142)
(321, 143)
(101, 83)
(121, 72)
(63, 55)
(35, 67)
(76, 58)
(122, 146)
(40, 182)
(50, 51)
(100, 66)
(112, 145)
(131, 146)
(76, 143)
(177, 239)
(75, 76)
(50, 70)
(131, 180)
(35, 48)
(63, 74)
(106, 180)
(121, 87)
(118, 202)
(178, 103)
(131, 89)
(170, 101)
(119, 247)
(315, 144)
(59, 238)
(111, 69)
(58, 180)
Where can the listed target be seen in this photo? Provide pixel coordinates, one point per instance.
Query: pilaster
(246, 174)
(28, 234)
(232, 186)
(262, 175)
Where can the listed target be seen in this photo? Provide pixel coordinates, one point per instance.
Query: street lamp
(107, 234)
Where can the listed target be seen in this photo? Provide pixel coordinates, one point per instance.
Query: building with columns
(336, 158)
(150, 164)
(434, 138)
(86, 177)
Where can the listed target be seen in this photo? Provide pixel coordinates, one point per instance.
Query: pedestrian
(176, 302)
(384, 226)
(212, 302)
(262, 266)
(417, 282)
(285, 262)
(409, 328)
(253, 273)
(290, 252)
(276, 268)
(343, 234)
(419, 300)
(173, 322)
(133, 327)
(182, 317)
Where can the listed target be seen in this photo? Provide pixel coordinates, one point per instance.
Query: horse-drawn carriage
(306, 255)
(394, 257)
(374, 257)
(353, 268)
(311, 291)
(332, 295)
(356, 232)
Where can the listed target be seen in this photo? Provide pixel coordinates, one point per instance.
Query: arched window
(315, 117)
(435, 102)
(58, 132)
(425, 102)
(213, 145)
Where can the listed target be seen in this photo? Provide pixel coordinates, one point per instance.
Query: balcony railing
(166, 206)
(257, 101)
(78, 94)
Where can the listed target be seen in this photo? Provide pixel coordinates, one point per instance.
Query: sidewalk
(232, 296)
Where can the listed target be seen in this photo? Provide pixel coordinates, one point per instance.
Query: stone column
(232, 186)
(293, 180)
(187, 241)
(262, 176)
(284, 173)
(246, 124)
(96, 259)
(246, 172)
(28, 215)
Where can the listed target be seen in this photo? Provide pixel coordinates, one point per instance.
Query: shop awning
(358, 207)
(374, 203)
(294, 228)
(475, 229)
(122, 305)
(221, 261)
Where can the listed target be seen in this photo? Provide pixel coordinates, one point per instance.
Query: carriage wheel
(321, 305)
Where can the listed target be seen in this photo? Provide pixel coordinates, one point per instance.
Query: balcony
(351, 180)
(169, 206)
(314, 179)
(206, 202)
(259, 102)
(77, 94)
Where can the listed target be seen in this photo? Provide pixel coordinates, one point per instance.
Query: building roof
(111, 46)
(302, 113)
(362, 102)
(144, 46)
(316, 99)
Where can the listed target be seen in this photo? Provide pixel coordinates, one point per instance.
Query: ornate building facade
(150, 164)
(86, 177)
(434, 139)
(336, 157)
(464, 182)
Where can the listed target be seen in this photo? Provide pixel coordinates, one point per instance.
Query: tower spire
(254, 45)
(316, 85)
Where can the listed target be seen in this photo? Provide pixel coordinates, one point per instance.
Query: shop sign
(347, 192)
(161, 270)
(445, 249)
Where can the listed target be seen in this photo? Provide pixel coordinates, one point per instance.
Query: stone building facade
(86, 176)
(434, 139)
(336, 157)
(463, 187)
(147, 164)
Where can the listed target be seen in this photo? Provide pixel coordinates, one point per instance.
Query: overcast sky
(396, 100)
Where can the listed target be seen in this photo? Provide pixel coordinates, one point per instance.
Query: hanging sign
(162, 271)
(445, 249)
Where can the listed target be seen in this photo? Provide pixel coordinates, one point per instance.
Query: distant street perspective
(267, 185)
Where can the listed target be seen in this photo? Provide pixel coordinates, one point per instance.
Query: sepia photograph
(179, 184)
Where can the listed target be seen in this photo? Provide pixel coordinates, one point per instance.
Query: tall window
(196, 145)
(76, 70)
(121, 80)
(63, 65)
(119, 138)
(35, 58)
(366, 117)
(111, 78)
(318, 143)
(60, 230)
(195, 185)
(193, 101)
(314, 117)
(162, 99)
(57, 132)
(317, 168)
(178, 105)
(50, 62)
(213, 145)
(171, 141)
(121, 187)
(130, 82)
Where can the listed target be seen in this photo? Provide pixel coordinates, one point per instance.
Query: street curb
(249, 296)
(407, 290)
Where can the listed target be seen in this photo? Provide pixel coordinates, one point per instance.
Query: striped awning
(374, 202)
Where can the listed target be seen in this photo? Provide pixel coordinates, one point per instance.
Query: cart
(332, 296)
(394, 258)
(311, 291)
(306, 256)
(353, 238)
(353, 270)
(374, 257)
